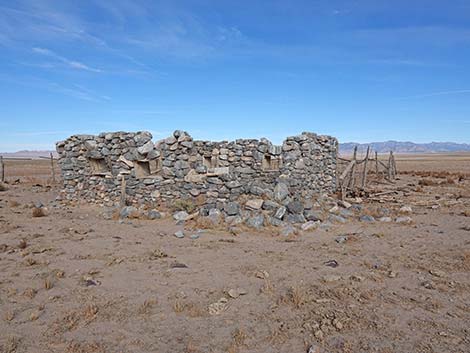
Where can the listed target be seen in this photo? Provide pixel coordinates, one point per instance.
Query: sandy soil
(74, 282)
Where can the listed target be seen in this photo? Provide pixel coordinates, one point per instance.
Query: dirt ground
(75, 282)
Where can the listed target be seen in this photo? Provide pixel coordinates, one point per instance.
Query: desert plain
(77, 281)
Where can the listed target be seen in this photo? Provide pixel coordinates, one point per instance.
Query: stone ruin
(245, 180)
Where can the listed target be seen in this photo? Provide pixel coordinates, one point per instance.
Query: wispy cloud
(435, 94)
(71, 63)
(76, 91)
(39, 133)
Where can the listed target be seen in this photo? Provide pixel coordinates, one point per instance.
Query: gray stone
(232, 208)
(281, 191)
(254, 204)
(346, 213)
(179, 164)
(179, 234)
(336, 219)
(310, 225)
(295, 218)
(127, 211)
(153, 214)
(145, 148)
(275, 222)
(404, 220)
(287, 230)
(233, 184)
(233, 220)
(341, 239)
(90, 144)
(142, 138)
(367, 218)
(312, 215)
(295, 207)
(270, 205)
(255, 221)
(281, 211)
(181, 216)
(214, 216)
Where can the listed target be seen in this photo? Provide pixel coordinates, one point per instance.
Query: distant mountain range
(28, 154)
(405, 147)
(344, 148)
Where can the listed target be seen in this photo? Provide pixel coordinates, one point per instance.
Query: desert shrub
(39, 212)
(428, 182)
(184, 205)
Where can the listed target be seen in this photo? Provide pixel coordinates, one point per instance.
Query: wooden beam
(351, 179)
(52, 168)
(364, 171)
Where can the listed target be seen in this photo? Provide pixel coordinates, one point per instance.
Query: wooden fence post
(394, 164)
(351, 179)
(390, 166)
(364, 171)
(2, 169)
(376, 165)
(52, 168)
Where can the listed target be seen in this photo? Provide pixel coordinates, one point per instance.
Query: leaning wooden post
(52, 168)
(351, 179)
(364, 171)
(376, 165)
(390, 166)
(2, 171)
(343, 176)
(122, 200)
(394, 164)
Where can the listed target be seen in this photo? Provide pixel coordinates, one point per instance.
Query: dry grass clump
(48, 284)
(296, 296)
(30, 293)
(147, 306)
(90, 312)
(267, 288)
(9, 315)
(238, 340)
(178, 306)
(191, 309)
(13, 203)
(39, 212)
(158, 254)
(11, 344)
(203, 223)
(22, 244)
(184, 205)
(75, 347)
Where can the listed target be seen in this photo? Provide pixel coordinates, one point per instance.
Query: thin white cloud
(434, 94)
(39, 133)
(71, 63)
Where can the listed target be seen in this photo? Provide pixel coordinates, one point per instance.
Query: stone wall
(211, 174)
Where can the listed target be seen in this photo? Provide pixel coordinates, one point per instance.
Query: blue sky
(364, 70)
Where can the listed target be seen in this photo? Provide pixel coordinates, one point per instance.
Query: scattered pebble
(331, 263)
(179, 234)
(262, 274)
(235, 293)
(218, 307)
(437, 273)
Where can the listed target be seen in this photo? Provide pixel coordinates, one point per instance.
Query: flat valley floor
(75, 282)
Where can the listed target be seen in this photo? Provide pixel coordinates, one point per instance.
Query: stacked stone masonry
(214, 175)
